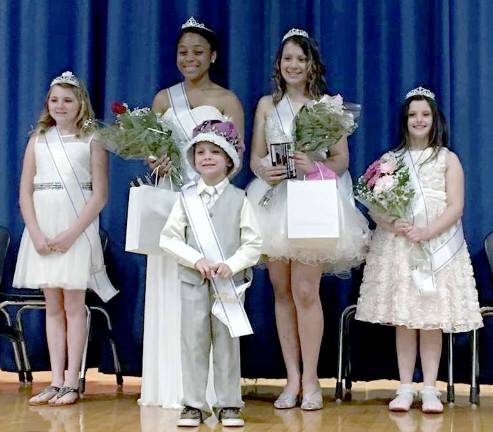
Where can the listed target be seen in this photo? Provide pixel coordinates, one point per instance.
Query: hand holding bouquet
(319, 125)
(137, 134)
(385, 187)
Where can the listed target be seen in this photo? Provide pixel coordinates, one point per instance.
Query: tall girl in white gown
(295, 273)
(63, 188)
(183, 106)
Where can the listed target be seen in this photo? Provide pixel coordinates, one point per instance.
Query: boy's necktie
(210, 196)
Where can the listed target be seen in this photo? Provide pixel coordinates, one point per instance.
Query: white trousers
(199, 330)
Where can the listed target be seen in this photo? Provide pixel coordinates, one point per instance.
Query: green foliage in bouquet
(138, 134)
(386, 188)
(320, 125)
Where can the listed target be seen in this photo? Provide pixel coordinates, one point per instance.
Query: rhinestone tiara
(193, 23)
(421, 91)
(295, 32)
(66, 78)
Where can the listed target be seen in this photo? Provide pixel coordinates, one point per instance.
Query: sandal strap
(66, 390)
(49, 389)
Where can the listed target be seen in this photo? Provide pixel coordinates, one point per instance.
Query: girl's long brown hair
(316, 85)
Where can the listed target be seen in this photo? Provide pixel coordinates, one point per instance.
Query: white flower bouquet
(319, 125)
(137, 134)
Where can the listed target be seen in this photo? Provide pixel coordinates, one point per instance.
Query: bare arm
(454, 186)
(26, 203)
(99, 169)
(160, 102)
(259, 150)
(339, 156)
(233, 109)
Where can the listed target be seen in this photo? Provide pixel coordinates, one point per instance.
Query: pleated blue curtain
(375, 51)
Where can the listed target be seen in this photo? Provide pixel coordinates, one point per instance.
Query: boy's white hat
(222, 133)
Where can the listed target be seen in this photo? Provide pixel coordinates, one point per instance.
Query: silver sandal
(49, 391)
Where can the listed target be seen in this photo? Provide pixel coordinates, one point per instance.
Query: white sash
(99, 281)
(451, 244)
(228, 307)
(181, 109)
(285, 115)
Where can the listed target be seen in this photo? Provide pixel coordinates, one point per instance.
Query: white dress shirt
(173, 240)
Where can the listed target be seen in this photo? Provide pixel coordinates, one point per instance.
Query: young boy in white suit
(212, 211)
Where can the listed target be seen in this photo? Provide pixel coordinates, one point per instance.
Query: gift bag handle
(317, 164)
(155, 172)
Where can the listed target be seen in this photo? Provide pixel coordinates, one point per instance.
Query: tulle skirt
(350, 249)
(69, 270)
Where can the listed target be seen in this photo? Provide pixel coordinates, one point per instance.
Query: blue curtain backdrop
(375, 51)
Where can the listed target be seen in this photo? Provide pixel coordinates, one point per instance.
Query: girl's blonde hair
(86, 113)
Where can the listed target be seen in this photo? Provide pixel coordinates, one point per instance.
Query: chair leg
(33, 305)
(347, 348)
(474, 390)
(343, 370)
(83, 365)
(450, 382)
(111, 339)
(340, 354)
(15, 341)
(27, 363)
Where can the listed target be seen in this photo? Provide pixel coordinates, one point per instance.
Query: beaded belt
(58, 185)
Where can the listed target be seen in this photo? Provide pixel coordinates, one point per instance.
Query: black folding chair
(7, 329)
(35, 301)
(486, 311)
(344, 359)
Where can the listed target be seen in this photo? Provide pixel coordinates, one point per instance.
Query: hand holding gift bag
(148, 210)
(313, 212)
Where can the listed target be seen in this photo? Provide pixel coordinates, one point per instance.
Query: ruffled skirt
(350, 249)
(389, 296)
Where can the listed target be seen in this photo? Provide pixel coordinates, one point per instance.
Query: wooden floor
(105, 409)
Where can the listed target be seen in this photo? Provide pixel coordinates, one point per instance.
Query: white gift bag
(148, 209)
(313, 213)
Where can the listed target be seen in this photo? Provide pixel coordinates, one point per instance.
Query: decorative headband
(66, 78)
(225, 129)
(295, 32)
(421, 91)
(192, 23)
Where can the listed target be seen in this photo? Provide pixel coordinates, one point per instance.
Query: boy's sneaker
(231, 417)
(189, 417)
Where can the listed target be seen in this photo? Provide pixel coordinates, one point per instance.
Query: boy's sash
(228, 306)
(99, 281)
(451, 244)
(181, 109)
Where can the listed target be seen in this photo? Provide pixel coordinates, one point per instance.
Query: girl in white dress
(393, 292)
(58, 243)
(184, 106)
(295, 273)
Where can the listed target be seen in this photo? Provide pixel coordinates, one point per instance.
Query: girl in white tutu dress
(184, 106)
(422, 301)
(63, 188)
(294, 272)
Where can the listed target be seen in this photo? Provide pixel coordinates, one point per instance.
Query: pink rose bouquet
(385, 187)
